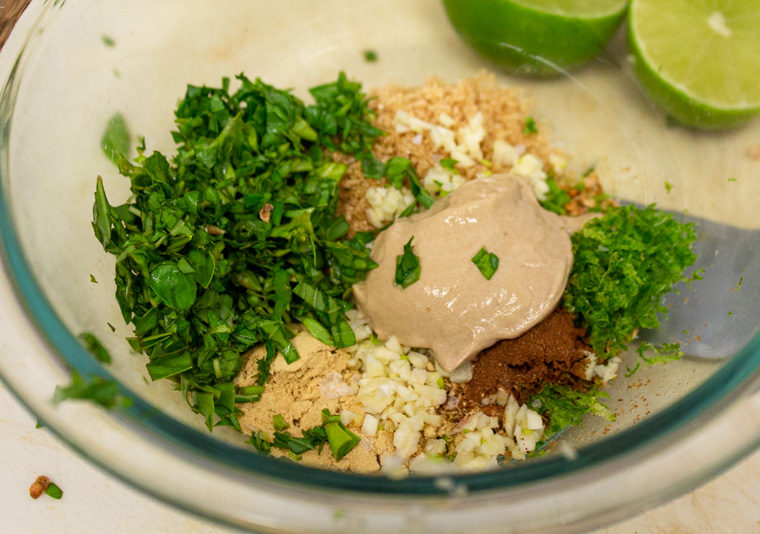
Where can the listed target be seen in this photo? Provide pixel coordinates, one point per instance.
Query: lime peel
(702, 71)
(536, 37)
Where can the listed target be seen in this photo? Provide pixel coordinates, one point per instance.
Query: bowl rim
(735, 380)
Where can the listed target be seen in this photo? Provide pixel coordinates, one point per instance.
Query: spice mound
(553, 351)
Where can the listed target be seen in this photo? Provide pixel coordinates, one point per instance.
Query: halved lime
(524, 35)
(699, 59)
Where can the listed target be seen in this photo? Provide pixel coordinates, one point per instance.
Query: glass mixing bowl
(678, 424)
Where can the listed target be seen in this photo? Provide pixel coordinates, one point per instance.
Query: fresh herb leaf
(487, 262)
(449, 163)
(556, 198)
(93, 280)
(54, 491)
(370, 56)
(373, 167)
(530, 126)
(115, 140)
(624, 262)
(95, 347)
(108, 41)
(103, 392)
(279, 423)
(223, 246)
(407, 267)
(331, 431)
(668, 187)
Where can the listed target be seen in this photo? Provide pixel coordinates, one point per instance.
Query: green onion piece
(341, 440)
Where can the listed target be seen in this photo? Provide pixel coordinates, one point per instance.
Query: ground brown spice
(552, 351)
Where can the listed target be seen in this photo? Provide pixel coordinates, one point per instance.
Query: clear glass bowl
(677, 425)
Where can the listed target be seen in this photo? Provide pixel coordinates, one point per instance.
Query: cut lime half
(699, 60)
(536, 36)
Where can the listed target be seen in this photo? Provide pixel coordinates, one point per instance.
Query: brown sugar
(553, 351)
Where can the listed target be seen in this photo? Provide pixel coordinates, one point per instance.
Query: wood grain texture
(10, 11)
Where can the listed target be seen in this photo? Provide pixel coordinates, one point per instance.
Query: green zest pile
(222, 247)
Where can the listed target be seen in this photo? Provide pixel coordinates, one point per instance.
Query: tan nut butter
(452, 309)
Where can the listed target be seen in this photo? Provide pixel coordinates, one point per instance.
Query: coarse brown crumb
(504, 112)
(39, 486)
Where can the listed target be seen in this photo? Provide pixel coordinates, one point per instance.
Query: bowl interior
(73, 82)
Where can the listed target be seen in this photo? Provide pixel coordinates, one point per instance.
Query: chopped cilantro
(93, 280)
(108, 41)
(588, 171)
(223, 246)
(732, 179)
(668, 187)
(370, 56)
(624, 262)
(98, 390)
(530, 126)
(556, 198)
(741, 280)
(487, 262)
(331, 431)
(279, 423)
(95, 347)
(407, 267)
(449, 163)
(54, 491)
(115, 140)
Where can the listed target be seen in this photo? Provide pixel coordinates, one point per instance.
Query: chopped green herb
(730, 313)
(741, 279)
(624, 262)
(108, 41)
(732, 179)
(487, 262)
(54, 491)
(407, 267)
(556, 198)
(668, 186)
(440, 383)
(224, 246)
(92, 279)
(115, 140)
(95, 347)
(449, 163)
(530, 126)
(112, 327)
(588, 171)
(331, 431)
(370, 56)
(398, 171)
(279, 423)
(564, 406)
(98, 390)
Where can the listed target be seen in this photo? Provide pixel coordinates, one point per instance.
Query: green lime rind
(674, 99)
(531, 41)
(681, 107)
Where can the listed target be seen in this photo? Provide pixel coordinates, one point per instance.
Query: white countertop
(95, 502)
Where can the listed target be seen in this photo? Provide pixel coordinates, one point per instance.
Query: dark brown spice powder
(552, 351)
